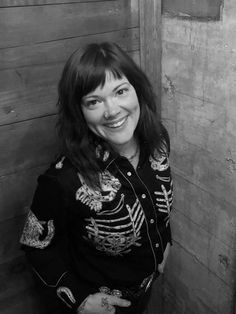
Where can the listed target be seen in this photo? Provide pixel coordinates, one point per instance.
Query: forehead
(111, 82)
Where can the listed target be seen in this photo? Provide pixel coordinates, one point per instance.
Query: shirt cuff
(73, 292)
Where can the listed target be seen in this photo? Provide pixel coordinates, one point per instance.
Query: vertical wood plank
(150, 59)
(150, 42)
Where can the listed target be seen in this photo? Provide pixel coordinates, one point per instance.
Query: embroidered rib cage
(115, 236)
(164, 200)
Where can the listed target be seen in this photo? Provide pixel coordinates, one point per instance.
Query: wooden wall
(199, 96)
(36, 37)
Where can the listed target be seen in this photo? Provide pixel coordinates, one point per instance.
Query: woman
(98, 230)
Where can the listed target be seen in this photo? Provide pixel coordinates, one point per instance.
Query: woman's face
(112, 111)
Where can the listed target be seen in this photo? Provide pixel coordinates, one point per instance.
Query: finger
(105, 303)
(161, 268)
(167, 250)
(119, 301)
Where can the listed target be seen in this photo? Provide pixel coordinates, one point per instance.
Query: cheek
(134, 105)
(92, 116)
(134, 101)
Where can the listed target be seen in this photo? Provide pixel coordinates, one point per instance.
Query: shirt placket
(150, 215)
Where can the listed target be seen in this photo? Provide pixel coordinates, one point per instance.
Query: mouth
(116, 124)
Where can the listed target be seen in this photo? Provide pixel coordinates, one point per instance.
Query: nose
(112, 108)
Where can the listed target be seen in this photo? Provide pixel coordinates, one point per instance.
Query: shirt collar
(107, 158)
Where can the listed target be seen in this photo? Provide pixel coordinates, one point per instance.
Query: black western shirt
(78, 238)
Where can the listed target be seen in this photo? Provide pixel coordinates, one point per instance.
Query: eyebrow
(114, 89)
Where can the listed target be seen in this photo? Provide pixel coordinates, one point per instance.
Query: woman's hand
(165, 255)
(101, 303)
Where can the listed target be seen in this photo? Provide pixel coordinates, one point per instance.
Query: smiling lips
(116, 124)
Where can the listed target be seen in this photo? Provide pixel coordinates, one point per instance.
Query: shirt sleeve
(45, 242)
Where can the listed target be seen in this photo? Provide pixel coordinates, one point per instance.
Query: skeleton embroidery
(34, 228)
(67, 292)
(164, 201)
(94, 198)
(116, 236)
(114, 210)
(164, 179)
(159, 162)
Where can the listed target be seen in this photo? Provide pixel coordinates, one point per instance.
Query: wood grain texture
(150, 42)
(10, 232)
(204, 10)
(59, 50)
(19, 3)
(27, 144)
(16, 192)
(16, 277)
(208, 250)
(190, 287)
(21, 26)
(28, 84)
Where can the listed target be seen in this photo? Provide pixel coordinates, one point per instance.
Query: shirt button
(151, 221)
(157, 245)
(129, 173)
(143, 195)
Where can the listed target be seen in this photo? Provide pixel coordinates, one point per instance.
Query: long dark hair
(84, 71)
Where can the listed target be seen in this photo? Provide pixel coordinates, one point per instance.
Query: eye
(122, 91)
(91, 103)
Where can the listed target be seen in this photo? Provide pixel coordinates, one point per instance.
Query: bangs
(94, 72)
(96, 77)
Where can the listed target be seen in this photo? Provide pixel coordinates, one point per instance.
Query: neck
(128, 149)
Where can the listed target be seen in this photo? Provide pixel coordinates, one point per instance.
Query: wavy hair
(84, 71)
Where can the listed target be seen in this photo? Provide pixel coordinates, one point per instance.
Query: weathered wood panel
(199, 106)
(28, 92)
(191, 9)
(19, 3)
(59, 50)
(27, 144)
(204, 170)
(10, 231)
(213, 215)
(190, 287)
(211, 252)
(29, 89)
(15, 277)
(16, 192)
(150, 42)
(34, 24)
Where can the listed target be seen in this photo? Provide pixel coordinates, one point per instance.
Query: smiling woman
(98, 230)
(112, 113)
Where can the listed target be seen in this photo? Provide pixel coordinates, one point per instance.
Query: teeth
(116, 125)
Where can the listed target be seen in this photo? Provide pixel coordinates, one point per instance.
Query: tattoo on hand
(105, 304)
(81, 307)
